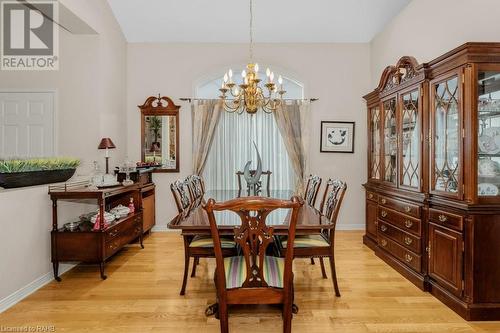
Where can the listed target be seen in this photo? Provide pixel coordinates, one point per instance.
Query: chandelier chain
(251, 30)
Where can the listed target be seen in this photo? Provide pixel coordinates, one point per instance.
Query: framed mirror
(160, 134)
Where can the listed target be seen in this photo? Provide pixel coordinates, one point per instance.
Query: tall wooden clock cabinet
(433, 188)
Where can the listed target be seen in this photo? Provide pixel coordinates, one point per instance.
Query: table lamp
(106, 143)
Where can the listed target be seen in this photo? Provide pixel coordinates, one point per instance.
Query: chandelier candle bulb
(225, 77)
(271, 77)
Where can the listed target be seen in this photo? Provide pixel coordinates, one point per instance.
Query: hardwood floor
(141, 294)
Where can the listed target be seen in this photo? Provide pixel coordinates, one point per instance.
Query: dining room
(235, 166)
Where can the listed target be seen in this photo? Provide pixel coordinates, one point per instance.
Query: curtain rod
(189, 99)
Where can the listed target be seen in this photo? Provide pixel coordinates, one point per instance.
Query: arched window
(232, 146)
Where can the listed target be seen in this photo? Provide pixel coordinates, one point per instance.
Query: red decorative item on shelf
(131, 205)
(97, 224)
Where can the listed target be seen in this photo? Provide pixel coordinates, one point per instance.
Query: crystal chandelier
(250, 96)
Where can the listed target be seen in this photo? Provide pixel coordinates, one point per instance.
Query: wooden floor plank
(141, 294)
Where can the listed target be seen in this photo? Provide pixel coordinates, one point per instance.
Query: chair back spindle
(332, 201)
(312, 189)
(180, 192)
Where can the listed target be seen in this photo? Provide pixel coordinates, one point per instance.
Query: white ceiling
(275, 21)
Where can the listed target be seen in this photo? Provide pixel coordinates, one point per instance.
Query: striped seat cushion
(307, 241)
(206, 241)
(236, 271)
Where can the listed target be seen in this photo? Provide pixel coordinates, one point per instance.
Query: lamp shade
(106, 143)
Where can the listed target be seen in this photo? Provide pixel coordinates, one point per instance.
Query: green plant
(155, 125)
(38, 164)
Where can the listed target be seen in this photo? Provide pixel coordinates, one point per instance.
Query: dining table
(194, 221)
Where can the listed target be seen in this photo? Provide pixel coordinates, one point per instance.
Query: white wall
(426, 29)
(337, 74)
(91, 87)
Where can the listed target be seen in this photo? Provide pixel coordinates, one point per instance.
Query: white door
(26, 124)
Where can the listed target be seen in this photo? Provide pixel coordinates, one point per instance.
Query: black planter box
(30, 178)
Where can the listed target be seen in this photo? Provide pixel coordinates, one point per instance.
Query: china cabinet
(432, 195)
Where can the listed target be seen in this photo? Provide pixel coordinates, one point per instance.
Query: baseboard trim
(351, 226)
(30, 288)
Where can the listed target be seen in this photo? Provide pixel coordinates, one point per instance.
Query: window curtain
(233, 147)
(205, 116)
(293, 124)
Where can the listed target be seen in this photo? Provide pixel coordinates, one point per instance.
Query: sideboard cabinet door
(446, 258)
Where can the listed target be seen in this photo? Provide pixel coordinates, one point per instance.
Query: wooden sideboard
(96, 246)
(432, 195)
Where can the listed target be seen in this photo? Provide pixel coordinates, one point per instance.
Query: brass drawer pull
(383, 228)
(113, 246)
(407, 209)
(383, 201)
(370, 196)
(383, 242)
(383, 213)
(113, 233)
(408, 240)
(442, 218)
(408, 224)
(408, 257)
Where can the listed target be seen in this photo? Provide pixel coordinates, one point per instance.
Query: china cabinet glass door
(446, 137)
(410, 136)
(375, 143)
(488, 107)
(390, 141)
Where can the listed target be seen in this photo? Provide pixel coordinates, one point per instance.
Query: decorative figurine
(131, 205)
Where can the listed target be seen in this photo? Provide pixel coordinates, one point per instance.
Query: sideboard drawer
(407, 257)
(400, 206)
(405, 239)
(401, 221)
(371, 196)
(124, 237)
(446, 219)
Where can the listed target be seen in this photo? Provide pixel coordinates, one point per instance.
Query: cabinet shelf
(88, 226)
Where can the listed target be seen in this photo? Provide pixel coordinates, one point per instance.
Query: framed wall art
(337, 137)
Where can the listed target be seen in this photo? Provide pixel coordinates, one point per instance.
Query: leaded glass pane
(446, 136)
(390, 140)
(375, 148)
(411, 140)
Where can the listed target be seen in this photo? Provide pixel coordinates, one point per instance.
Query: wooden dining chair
(322, 245)
(267, 173)
(196, 246)
(254, 277)
(312, 189)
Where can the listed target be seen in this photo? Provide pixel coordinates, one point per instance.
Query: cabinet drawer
(400, 206)
(124, 237)
(116, 230)
(371, 196)
(405, 239)
(401, 221)
(407, 257)
(446, 219)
